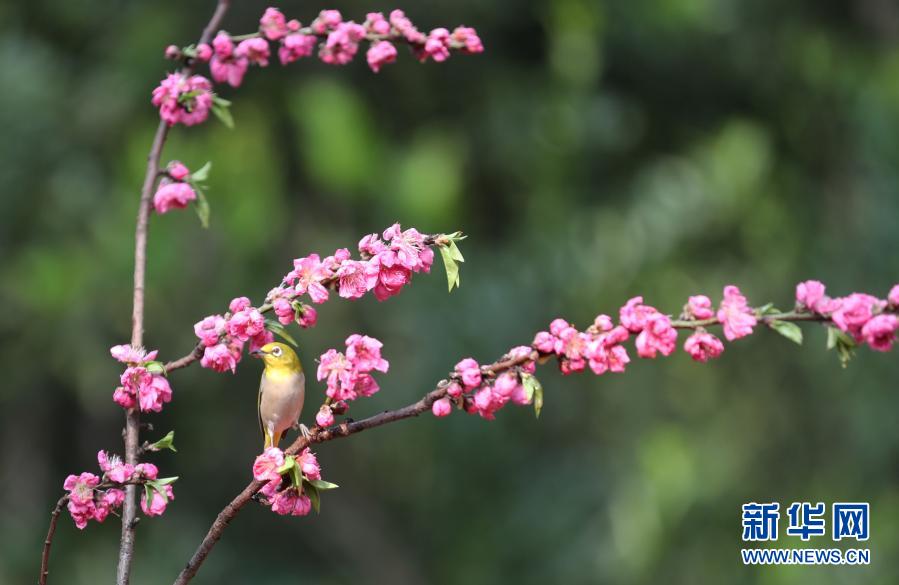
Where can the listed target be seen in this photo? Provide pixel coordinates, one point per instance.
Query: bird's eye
(276, 351)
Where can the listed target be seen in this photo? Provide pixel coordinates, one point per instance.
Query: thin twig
(48, 542)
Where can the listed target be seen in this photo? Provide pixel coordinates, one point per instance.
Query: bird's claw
(304, 430)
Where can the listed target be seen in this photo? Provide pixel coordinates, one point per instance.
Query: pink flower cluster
(386, 264)
(479, 392)
(183, 99)
(187, 100)
(860, 315)
(174, 191)
(140, 387)
(223, 337)
(289, 500)
(348, 376)
(89, 501)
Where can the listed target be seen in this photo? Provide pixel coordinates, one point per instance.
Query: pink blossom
(204, 52)
(296, 46)
(657, 336)
(379, 54)
(172, 52)
(470, 373)
(700, 307)
(81, 497)
(880, 332)
(603, 323)
(183, 100)
(405, 27)
(307, 275)
(339, 373)
(114, 497)
(441, 407)
(809, 294)
(544, 342)
(376, 24)
(604, 352)
(256, 51)
(324, 417)
(238, 304)
(273, 24)
(437, 45)
(157, 503)
(365, 386)
(327, 20)
(309, 464)
(893, 297)
(210, 329)
(467, 40)
(220, 357)
(265, 467)
(152, 396)
(703, 346)
(409, 248)
(124, 398)
(521, 352)
(177, 170)
(454, 389)
(246, 323)
(115, 469)
(371, 245)
(261, 339)
(172, 195)
(290, 502)
(134, 378)
(571, 345)
(226, 65)
(391, 279)
(355, 278)
(146, 471)
(634, 313)
(508, 386)
(308, 316)
(854, 311)
(132, 355)
(736, 316)
(283, 308)
(342, 43)
(364, 353)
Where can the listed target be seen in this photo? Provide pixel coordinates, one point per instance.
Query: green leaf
(843, 343)
(202, 206)
(454, 252)
(533, 389)
(165, 480)
(289, 463)
(189, 51)
(202, 173)
(279, 330)
(155, 367)
(321, 484)
(452, 268)
(221, 109)
(167, 442)
(789, 330)
(310, 490)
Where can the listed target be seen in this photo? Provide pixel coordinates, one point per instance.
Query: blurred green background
(596, 151)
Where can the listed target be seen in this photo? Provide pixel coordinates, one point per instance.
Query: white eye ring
(276, 351)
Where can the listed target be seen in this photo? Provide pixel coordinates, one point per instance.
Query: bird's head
(278, 355)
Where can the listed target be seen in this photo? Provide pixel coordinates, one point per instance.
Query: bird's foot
(304, 430)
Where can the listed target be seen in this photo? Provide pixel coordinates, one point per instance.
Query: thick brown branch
(48, 542)
(132, 417)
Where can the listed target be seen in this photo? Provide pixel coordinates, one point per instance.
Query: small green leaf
(167, 442)
(452, 268)
(148, 492)
(843, 343)
(202, 173)
(279, 330)
(789, 330)
(310, 490)
(454, 252)
(155, 367)
(533, 389)
(321, 484)
(165, 480)
(189, 51)
(221, 109)
(202, 206)
(289, 463)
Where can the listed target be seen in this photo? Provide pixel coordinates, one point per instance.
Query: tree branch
(132, 416)
(48, 542)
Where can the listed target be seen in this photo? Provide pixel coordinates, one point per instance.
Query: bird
(282, 390)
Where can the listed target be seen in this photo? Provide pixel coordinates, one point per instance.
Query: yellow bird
(281, 392)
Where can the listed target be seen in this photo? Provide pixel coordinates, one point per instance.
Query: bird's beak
(257, 353)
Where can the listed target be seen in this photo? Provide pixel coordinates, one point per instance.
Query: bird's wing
(259, 407)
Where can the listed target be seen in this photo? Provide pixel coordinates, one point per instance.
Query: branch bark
(132, 416)
(48, 542)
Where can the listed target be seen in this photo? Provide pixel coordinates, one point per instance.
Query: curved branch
(48, 542)
(132, 416)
